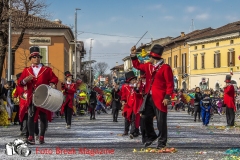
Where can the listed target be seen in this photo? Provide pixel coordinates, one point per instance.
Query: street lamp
(9, 43)
(75, 55)
(90, 52)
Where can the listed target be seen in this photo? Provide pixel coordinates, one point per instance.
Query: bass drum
(48, 98)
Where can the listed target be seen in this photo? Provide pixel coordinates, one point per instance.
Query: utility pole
(75, 53)
(90, 66)
(9, 42)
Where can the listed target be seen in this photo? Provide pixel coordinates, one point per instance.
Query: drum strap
(32, 107)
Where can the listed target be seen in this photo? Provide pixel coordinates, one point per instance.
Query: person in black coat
(92, 103)
(116, 104)
(198, 98)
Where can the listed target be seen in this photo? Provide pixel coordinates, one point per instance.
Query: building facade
(176, 54)
(213, 55)
(56, 42)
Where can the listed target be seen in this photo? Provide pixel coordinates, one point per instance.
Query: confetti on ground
(154, 150)
(233, 151)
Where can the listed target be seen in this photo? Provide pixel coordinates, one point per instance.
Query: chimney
(182, 34)
(57, 21)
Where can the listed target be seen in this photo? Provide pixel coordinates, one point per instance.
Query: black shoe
(194, 120)
(149, 143)
(125, 133)
(131, 136)
(160, 146)
(93, 118)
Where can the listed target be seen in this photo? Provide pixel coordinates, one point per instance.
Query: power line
(104, 34)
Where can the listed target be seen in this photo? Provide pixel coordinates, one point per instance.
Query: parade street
(101, 139)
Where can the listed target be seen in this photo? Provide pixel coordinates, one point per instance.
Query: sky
(116, 25)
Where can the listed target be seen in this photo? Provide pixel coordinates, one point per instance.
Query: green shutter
(43, 52)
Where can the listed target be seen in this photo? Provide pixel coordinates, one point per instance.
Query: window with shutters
(175, 61)
(170, 61)
(202, 61)
(203, 46)
(217, 60)
(231, 58)
(217, 44)
(195, 61)
(231, 41)
(184, 63)
(44, 54)
(195, 47)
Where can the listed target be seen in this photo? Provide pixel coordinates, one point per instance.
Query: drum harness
(32, 107)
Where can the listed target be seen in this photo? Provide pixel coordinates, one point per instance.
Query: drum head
(40, 95)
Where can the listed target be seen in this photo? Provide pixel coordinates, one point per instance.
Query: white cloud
(203, 16)
(168, 17)
(155, 7)
(190, 9)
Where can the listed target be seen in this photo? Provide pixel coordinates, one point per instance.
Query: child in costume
(205, 105)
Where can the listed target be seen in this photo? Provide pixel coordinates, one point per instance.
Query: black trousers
(115, 112)
(68, 115)
(143, 129)
(24, 127)
(131, 123)
(161, 117)
(230, 115)
(92, 110)
(32, 127)
(16, 109)
(197, 111)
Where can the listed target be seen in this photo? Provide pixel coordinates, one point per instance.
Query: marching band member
(229, 101)
(30, 79)
(68, 89)
(159, 87)
(128, 99)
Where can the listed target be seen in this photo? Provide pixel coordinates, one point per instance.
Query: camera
(17, 147)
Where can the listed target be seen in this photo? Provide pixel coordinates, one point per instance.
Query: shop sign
(40, 40)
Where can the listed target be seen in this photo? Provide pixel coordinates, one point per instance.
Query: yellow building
(213, 55)
(176, 54)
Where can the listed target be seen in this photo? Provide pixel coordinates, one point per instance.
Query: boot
(41, 140)
(31, 140)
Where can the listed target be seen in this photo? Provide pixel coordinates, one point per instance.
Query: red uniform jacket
(45, 76)
(228, 98)
(69, 90)
(162, 86)
(22, 102)
(127, 95)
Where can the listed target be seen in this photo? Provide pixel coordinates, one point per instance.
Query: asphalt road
(100, 139)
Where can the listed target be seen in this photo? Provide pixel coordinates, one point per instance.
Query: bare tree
(100, 67)
(22, 13)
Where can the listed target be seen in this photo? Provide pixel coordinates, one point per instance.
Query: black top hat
(228, 79)
(67, 74)
(156, 51)
(129, 75)
(18, 75)
(34, 51)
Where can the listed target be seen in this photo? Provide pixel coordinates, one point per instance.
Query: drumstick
(140, 38)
